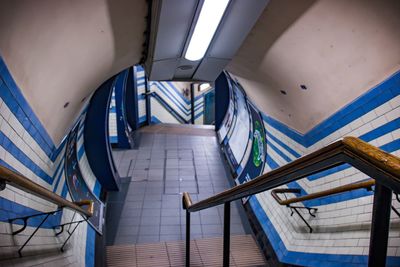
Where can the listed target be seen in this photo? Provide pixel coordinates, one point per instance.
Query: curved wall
(24, 148)
(60, 51)
(341, 227)
(338, 49)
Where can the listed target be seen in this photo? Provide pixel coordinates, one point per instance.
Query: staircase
(204, 252)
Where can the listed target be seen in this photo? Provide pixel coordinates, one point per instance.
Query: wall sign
(256, 161)
(77, 185)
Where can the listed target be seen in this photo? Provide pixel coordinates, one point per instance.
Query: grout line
(164, 172)
(129, 168)
(195, 173)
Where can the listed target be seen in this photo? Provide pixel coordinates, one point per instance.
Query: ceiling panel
(173, 26)
(210, 68)
(235, 27)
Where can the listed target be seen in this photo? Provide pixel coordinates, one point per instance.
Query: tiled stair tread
(185, 129)
(204, 252)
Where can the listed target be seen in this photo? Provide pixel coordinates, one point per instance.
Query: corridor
(170, 159)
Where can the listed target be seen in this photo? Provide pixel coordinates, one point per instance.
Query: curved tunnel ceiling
(337, 49)
(60, 51)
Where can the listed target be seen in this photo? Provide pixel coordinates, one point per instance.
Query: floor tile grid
(165, 210)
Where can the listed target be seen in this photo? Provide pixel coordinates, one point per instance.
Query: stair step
(204, 252)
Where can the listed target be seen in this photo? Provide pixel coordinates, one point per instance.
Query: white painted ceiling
(339, 49)
(61, 51)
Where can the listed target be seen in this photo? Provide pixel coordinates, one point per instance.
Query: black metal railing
(15, 179)
(383, 167)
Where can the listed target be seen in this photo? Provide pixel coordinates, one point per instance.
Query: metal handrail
(340, 189)
(17, 180)
(382, 166)
(348, 150)
(333, 191)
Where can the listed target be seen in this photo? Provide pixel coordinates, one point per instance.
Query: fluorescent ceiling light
(210, 16)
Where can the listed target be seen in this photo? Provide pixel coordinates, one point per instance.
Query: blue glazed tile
(12, 96)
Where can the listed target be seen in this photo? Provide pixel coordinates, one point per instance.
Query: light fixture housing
(207, 23)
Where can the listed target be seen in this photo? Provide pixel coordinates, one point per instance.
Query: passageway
(170, 159)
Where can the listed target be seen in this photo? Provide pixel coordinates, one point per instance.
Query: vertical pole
(131, 99)
(227, 233)
(187, 238)
(380, 226)
(192, 103)
(2, 184)
(34, 232)
(69, 236)
(148, 100)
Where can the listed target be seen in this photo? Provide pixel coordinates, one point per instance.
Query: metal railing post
(2, 184)
(33, 233)
(380, 226)
(187, 238)
(227, 233)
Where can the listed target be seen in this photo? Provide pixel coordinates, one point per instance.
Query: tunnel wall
(336, 50)
(172, 94)
(61, 51)
(341, 227)
(26, 147)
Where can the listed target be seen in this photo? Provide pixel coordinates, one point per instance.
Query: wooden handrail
(340, 189)
(17, 180)
(371, 160)
(388, 162)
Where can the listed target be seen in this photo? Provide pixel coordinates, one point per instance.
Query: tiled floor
(148, 207)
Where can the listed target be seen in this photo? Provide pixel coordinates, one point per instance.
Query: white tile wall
(343, 227)
(45, 238)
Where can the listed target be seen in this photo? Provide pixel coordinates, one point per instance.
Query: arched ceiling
(61, 51)
(338, 49)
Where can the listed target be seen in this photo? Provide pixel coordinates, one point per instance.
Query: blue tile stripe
(367, 137)
(9, 146)
(185, 110)
(372, 135)
(307, 259)
(58, 179)
(12, 96)
(154, 119)
(10, 209)
(19, 107)
(375, 97)
(186, 101)
(90, 247)
(389, 147)
(142, 119)
(290, 150)
(313, 259)
(172, 97)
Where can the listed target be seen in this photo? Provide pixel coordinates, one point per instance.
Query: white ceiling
(61, 51)
(337, 48)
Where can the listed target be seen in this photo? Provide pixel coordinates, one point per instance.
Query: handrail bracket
(2, 184)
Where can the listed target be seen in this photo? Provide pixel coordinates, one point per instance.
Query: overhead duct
(172, 26)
